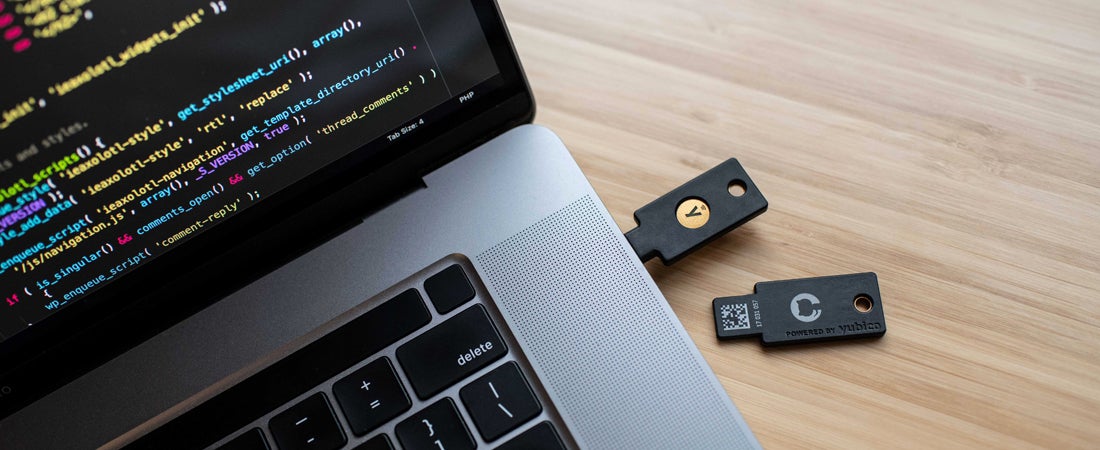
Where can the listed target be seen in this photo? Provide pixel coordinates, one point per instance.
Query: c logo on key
(806, 307)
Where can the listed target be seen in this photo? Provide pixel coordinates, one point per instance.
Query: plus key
(371, 396)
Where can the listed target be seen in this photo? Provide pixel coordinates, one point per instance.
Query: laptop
(250, 224)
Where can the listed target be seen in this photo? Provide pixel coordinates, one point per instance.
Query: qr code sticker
(735, 317)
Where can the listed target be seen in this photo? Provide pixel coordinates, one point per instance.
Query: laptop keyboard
(448, 380)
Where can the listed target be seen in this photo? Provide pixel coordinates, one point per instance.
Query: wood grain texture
(951, 147)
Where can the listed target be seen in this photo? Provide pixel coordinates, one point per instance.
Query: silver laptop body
(596, 341)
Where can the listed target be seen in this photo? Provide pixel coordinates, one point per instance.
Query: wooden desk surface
(951, 147)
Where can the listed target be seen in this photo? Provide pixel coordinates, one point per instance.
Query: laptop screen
(130, 129)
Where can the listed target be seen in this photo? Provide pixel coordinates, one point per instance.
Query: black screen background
(155, 86)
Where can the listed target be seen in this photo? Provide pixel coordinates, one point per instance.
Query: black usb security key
(697, 212)
(804, 310)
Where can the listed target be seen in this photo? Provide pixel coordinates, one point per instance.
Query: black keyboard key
(301, 371)
(308, 425)
(380, 442)
(435, 427)
(370, 396)
(451, 351)
(539, 437)
(500, 401)
(251, 440)
(449, 289)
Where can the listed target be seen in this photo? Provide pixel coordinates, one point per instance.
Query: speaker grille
(610, 351)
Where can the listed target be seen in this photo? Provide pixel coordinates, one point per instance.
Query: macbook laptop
(251, 224)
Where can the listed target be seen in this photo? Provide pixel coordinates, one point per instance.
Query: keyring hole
(863, 303)
(737, 188)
